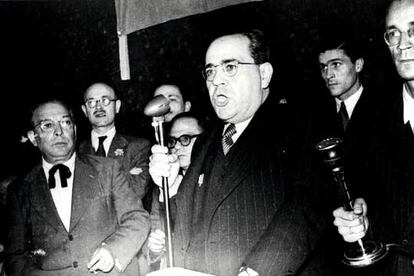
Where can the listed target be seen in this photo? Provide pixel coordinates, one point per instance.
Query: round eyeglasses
(393, 36)
(184, 140)
(50, 125)
(229, 68)
(104, 101)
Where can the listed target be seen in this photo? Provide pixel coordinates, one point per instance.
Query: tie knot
(227, 140)
(64, 174)
(102, 139)
(101, 150)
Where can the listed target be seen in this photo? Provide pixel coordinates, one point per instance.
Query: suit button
(405, 242)
(70, 237)
(75, 264)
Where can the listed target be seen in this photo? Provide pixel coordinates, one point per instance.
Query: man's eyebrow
(330, 61)
(221, 62)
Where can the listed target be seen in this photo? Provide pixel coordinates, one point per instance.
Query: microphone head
(158, 106)
(331, 151)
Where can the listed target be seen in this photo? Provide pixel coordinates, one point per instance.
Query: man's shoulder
(94, 162)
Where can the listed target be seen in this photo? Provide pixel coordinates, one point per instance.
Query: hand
(163, 164)
(101, 260)
(156, 242)
(352, 225)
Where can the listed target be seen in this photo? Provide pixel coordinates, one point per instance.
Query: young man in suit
(237, 210)
(389, 193)
(73, 214)
(176, 100)
(100, 107)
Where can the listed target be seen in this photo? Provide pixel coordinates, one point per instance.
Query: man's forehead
(168, 90)
(331, 55)
(400, 14)
(99, 90)
(185, 126)
(50, 111)
(227, 48)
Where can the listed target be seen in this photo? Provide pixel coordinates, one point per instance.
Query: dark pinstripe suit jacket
(390, 192)
(131, 152)
(258, 215)
(104, 209)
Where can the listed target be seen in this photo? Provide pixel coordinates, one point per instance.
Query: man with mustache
(389, 193)
(100, 106)
(238, 210)
(73, 214)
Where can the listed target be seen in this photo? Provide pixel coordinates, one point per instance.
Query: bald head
(96, 87)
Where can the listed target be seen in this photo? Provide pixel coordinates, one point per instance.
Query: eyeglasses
(184, 140)
(393, 36)
(229, 68)
(50, 126)
(104, 101)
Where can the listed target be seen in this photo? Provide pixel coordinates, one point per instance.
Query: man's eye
(209, 72)
(336, 64)
(230, 67)
(47, 125)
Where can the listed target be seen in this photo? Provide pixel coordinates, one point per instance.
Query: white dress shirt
(350, 102)
(62, 197)
(408, 107)
(107, 143)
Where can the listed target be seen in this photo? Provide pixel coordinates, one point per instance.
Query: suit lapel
(119, 142)
(42, 201)
(84, 183)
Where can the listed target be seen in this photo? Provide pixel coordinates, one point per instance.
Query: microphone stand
(157, 123)
(364, 253)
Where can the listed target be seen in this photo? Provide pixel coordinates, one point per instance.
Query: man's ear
(117, 106)
(84, 110)
(187, 106)
(266, 72)
(359, 65)
(32, 137)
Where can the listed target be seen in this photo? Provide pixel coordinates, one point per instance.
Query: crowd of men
(248, 195)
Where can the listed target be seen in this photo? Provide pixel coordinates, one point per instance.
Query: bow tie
(64, 174)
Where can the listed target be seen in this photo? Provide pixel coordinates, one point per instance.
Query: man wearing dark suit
(237, 209)
(86, 220)
(389, 193)
(100, 107)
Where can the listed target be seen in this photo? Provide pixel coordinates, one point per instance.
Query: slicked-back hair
(349, 46)
(258, 46)
(51, 101)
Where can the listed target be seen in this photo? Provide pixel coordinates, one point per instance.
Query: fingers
(350, 225)
(101, 260)
(156, 241)
(360, 207)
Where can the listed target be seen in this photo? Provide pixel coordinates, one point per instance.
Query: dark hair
(202, 121)
(52, 101)
(259, 46)
(349, 45)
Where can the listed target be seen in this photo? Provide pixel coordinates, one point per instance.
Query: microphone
(158, 106)
(365, 253)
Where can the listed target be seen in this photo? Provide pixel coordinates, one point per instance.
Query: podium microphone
(365, 252)
(157, 108)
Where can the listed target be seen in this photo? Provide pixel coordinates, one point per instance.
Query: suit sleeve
(133, 220)
(17, 233)
(138, 171)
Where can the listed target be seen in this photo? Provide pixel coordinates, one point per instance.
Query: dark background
(58, 48)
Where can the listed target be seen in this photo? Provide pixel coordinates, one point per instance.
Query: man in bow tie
(73, 214)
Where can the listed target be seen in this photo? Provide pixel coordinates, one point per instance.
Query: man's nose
(330, 73)
(58, 129)
(405, 41)
(219, 77)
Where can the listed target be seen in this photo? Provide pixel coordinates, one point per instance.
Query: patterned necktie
(64, 174)
(344, 115)
(101, 151)
(227, 141)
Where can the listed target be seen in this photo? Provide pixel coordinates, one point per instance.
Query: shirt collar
(408, 106)
(350, 102)
(70, 163)
(110, 134)
(240, 127)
